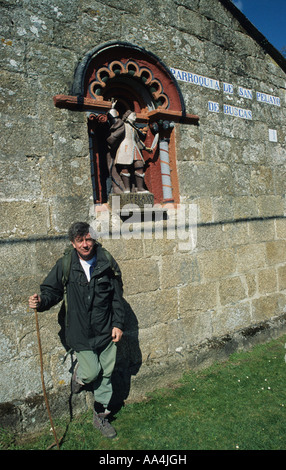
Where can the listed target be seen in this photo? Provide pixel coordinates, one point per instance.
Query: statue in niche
(125, 160)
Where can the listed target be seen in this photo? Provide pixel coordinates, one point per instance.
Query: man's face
(84, 246)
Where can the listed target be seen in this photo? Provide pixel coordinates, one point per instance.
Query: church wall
(185, 308)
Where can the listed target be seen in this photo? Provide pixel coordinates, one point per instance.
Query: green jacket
(94, 307)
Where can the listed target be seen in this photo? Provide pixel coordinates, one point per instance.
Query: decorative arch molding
(123, 58)
(139, 81)
(133, 70)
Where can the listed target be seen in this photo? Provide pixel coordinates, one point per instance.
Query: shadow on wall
(129, 360)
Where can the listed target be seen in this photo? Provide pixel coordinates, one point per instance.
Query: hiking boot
(76, 385)
(101, 423)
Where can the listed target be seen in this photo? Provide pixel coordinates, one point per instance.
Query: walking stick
(42, 377)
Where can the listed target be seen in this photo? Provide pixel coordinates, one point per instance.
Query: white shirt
(86, 266)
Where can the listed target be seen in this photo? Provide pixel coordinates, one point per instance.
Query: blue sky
(268, 16)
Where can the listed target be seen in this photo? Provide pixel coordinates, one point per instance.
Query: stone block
(245, 207)
(189, 144)
(276, 252)
(122, 250)
(250, 257)
(66, 173)
(159, 246)
(47, 252)
(267, 281)
(194, 329)
(269, 206)
(18, 259)
(232, 290)
(29, 138)
(199, 298)
(241, 180)
(223, 209)
(21, 218)
(282, 278)
(217, 264)
(267, 307)
(261, 181)
(179, 270)
(251, 284)
(210, 237)
(14, 87)
(205, 179)
(205, 210)
(280, 179)
(211, 10)
(141, 275)
(231, 318)
(261, 231)
(153, 343)
(66, 210)
(280, 228)
(234, 235)
(16, 291)
(28, 186)
(192, 22)
(153, 308)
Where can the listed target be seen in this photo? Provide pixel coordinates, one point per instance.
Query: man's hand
(34, 301)
(116, 334)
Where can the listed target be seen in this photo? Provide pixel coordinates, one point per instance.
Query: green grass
(238, 404)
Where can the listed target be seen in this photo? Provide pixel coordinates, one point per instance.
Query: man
(125, 143)
(94, 315)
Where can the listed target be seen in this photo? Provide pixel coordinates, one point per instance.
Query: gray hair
(80, 229)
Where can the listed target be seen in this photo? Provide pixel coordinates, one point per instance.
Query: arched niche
(134, 79)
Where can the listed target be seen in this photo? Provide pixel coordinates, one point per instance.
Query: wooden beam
(170, 115)
(77, 103)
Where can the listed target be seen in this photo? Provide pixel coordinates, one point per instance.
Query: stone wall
(184, 308)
